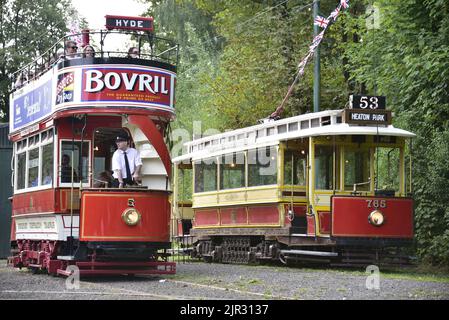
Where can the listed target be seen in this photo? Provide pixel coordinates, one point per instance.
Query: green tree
(27, 29)
(407, 60)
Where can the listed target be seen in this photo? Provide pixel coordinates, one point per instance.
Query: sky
(95, 10)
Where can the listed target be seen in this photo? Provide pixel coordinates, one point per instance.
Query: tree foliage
(407, 60)
(27, 29)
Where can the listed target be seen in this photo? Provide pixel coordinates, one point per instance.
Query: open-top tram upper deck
(58, 84)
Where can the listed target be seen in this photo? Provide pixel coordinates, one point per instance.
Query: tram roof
(324, 123)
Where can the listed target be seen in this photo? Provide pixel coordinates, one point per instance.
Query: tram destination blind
(129, 23)
(369, 117)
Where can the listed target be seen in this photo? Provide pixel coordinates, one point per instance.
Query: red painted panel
(300, 211)
(101, 216)
(34, 202)
(325, 221)
(13, 230)
(208, 217)
(232, 216)
(180, 231)
(65, 126)
(311, 225)
(263, 215)
(350, 217)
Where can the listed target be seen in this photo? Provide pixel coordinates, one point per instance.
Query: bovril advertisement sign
(127, 85)
(111, 86)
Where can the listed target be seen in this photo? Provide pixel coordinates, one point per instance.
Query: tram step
(310, 253)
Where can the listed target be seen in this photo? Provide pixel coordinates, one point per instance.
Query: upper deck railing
(107, 44)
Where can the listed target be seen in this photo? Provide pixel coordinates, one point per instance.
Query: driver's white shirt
(118, 161)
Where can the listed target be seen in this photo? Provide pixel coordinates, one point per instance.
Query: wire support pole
(317, 66)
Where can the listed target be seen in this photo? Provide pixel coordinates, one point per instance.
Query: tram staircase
(154, 175)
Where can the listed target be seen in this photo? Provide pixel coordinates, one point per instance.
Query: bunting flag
(335, 13)
(74, 33)
(323, 23)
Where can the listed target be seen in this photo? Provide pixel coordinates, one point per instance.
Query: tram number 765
(375, 203)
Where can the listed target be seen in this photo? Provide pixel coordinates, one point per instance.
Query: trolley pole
(317, 67)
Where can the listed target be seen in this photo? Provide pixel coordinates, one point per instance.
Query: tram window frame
(33, 168)
(87, 175)
(353, 170)
(300, 160)
(229, 163)
(201, 180)
(329, 184)
(256, 168)
(23, 148)
(185, 188)
(389, 181)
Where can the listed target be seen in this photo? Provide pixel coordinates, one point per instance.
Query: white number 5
(363, 102)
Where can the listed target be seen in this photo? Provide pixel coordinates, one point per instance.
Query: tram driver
(126, 164)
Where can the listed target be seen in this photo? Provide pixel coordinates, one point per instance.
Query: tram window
(262, 166)
(232, 171)
(299, 168)
(386, 166)
(357, 168)
(206, 175)
(185, 184)
(33, 167)
(324, 168)
(21, 162)
(47, 164)
(66, 161)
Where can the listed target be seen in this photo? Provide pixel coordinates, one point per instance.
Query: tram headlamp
(376, 218)
(131, 216)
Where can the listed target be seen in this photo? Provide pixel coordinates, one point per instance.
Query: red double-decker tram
(66, 110)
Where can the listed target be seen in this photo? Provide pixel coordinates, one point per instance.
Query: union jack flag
(344, 3)
(321, 21)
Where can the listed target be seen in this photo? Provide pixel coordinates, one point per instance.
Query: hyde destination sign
(129, 23)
